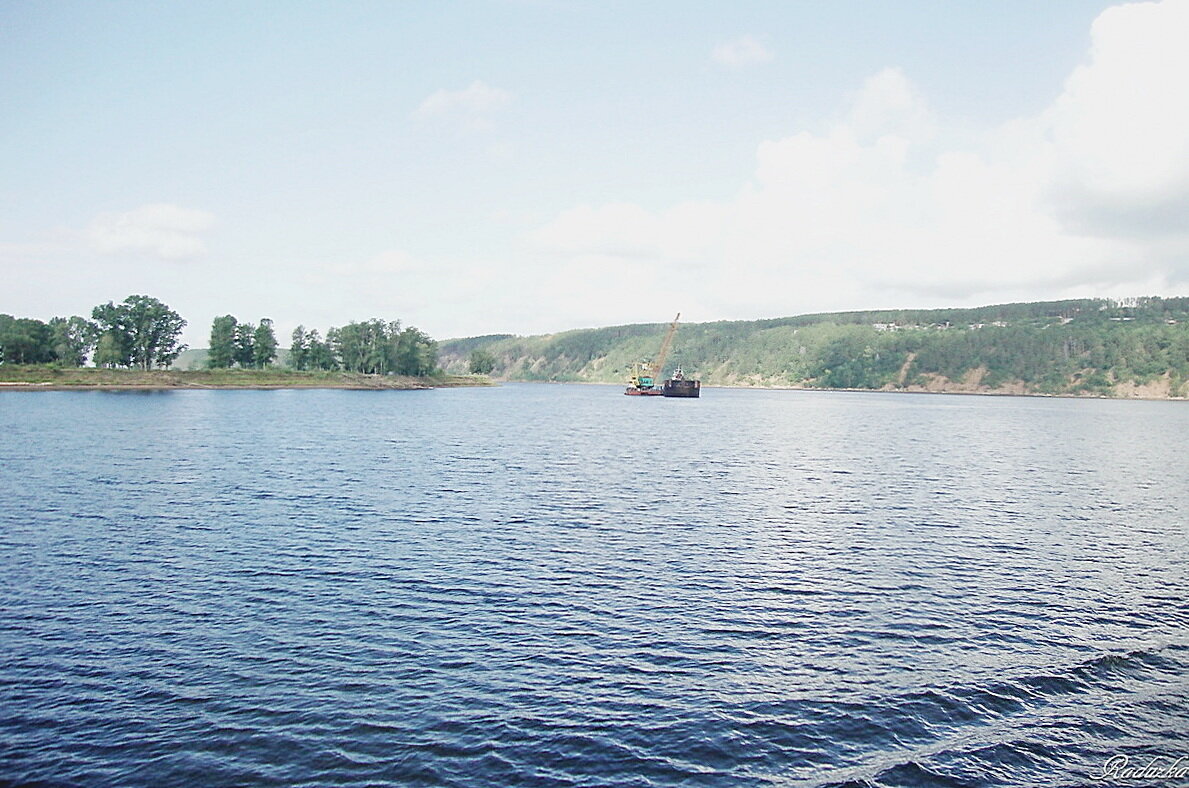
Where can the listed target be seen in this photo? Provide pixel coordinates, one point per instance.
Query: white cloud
(378, 277)
(437, 295)
(742, 51)
(624, 230)
(1119, 127)
(877, 212)
(475, 100)
(158, 230)
(889, 105)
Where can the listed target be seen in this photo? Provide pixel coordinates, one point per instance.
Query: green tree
(358, 346)
(299, 354)
(243, 352)
(25, 340)
(482, 362)
(417, 354)
(73, 338)
(376, 347)
(264, 344)
(320, 352)
(373, 347)
(222, 349)
(142, 331)
(108, 351)
(350, 345)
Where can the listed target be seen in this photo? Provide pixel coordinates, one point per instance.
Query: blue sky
(527, 167)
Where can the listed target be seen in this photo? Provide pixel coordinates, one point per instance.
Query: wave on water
(511, 587)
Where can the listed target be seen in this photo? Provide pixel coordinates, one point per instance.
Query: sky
(532, 166)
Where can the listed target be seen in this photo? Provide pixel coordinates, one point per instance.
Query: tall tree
(222, 350)
(109, 352)
(244, 353)
(25, 340)
(6, 324)
(321, 352)
(299, 349)
(73, 338)
(264, 344)
(349, 345)
(417, 353)
(144, 330)
(114, 346)
(222, 342)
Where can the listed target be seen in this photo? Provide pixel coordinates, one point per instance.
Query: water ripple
(546, 585)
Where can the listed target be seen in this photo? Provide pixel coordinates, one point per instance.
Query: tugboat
(642, 383)
(680, 386)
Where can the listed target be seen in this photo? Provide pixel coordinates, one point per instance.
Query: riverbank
(40, 378)
(1154, 393)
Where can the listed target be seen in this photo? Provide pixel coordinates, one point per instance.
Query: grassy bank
(48, 377)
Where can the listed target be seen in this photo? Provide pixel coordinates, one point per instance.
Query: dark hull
(682, 388)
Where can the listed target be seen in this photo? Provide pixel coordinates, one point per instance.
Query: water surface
(559, 585)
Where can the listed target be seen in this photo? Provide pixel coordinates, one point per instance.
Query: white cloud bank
(475, 100)
(741, 52)
(1120, 130)
(160, 230)
(1089, 198)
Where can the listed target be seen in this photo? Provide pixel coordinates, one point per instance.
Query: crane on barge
(644, 379)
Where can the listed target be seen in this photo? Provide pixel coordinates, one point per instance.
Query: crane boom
(658, 367)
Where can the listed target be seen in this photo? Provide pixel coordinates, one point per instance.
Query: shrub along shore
(51, 378)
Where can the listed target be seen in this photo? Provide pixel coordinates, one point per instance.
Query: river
(560, 585)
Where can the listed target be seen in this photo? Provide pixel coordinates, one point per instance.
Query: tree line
(374, 347)
(143, 333)
(241, 344)
(138, 333)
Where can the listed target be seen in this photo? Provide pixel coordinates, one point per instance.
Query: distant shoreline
(951, 392)
(1030, 395)
(91, 379)
(960, 392)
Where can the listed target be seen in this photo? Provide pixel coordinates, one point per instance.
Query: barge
(681, 386)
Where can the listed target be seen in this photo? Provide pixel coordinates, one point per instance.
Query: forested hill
(1133, 347)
